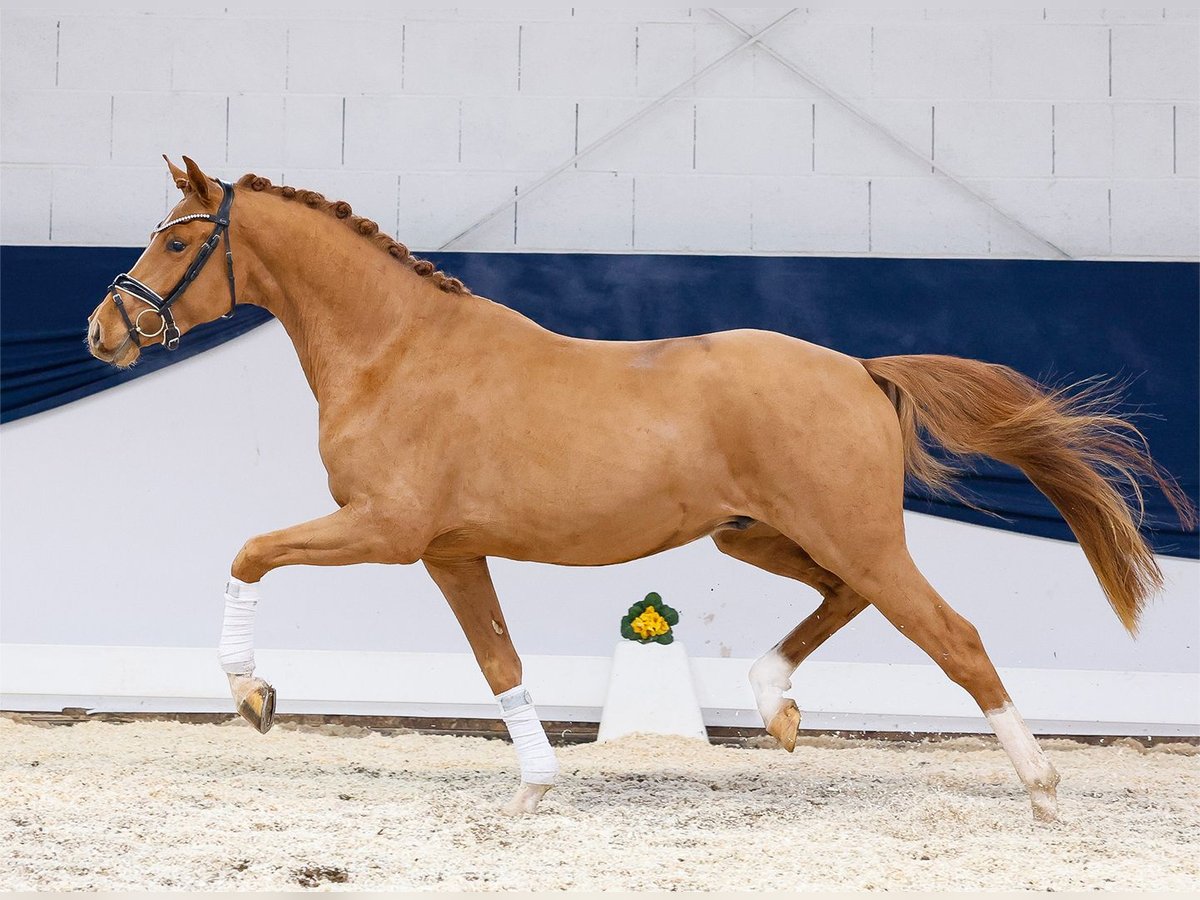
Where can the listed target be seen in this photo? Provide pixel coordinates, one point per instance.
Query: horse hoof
(1045, 805)
(526, 799)
(255, 701)
(785, 724)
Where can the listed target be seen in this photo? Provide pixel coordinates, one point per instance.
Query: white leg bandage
(534, 753)
(236, 651)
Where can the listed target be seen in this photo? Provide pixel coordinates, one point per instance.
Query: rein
(161, 306)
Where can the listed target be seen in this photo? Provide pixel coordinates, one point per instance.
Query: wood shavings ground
(162, 805)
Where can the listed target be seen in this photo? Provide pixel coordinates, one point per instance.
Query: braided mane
(341, 209)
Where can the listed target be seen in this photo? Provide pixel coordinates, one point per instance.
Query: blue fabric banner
(1056, 321)
(46, 295)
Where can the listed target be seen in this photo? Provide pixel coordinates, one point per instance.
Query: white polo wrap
(534, 753)
(236, 651)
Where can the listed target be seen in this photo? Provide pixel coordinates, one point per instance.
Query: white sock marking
(1032, 766)
(770, 676)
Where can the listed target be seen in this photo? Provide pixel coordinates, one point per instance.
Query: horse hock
(253, 697)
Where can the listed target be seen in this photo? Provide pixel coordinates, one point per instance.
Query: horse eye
(176, 246)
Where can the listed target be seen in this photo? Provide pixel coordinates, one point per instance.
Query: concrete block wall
(1082, 124)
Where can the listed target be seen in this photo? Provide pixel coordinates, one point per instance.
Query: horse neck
(344, 303)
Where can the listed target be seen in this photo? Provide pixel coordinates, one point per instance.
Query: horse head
(147, 305)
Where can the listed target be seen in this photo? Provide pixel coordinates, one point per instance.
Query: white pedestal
(650, 690)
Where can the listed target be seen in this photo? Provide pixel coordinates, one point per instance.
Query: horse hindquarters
(850, 522)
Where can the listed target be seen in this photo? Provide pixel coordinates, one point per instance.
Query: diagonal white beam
(750, 40)
(894, 139)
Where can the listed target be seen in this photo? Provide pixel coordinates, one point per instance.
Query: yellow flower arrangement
(649, 621)
(650, 624)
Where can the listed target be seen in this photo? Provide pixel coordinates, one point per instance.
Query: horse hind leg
(891, 581)
(770, 675)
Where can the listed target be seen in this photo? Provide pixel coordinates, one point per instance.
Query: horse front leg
(342, 538)
(467, 587)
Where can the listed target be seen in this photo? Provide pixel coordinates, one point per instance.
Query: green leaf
(653, 597)
(670, 615)
(628, 633)
(665, 638)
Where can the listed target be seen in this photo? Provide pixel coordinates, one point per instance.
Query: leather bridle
(160, 305)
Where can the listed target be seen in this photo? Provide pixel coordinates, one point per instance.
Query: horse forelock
(340, 209)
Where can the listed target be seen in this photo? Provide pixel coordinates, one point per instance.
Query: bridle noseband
(160, 305)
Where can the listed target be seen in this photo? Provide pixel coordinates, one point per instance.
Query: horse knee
(251, 562)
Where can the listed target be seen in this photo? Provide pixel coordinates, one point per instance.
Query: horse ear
(199, 182)
(179, 176)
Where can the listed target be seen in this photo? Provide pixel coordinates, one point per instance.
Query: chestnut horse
(454, 429)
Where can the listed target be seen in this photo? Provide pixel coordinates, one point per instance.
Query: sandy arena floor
(164, 805)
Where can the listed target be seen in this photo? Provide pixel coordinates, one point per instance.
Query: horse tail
(1067, 441)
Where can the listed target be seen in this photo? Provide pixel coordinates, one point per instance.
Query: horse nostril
(96, 335)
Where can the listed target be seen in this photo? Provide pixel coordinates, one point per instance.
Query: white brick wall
(1082, 123)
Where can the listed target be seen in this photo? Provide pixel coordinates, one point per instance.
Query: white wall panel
(345, 57)
(121, 209)
(592, 58)
(1187, 139)
(996, 93)
(675, 212)
(121, 52)
(754, 137)
(1054, 62)
(846, 145)
(832, 212)
(935, 62)
(663, 142)
(216, 55)
(1083, 139)
(402, 133)
(735, 77)
(1155, 62)
(839, 56)
(1181, 13)
(906, 211)
(25, 204)
(272, 131)
(666, 56)
(433, 208)
(36, 66)
(56, 127)
(461, 59)
(1076, 207)
(509, 133)
(1143, 139)
(1156, 217)
(985, 138)
(184, 123)
(550, 220)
